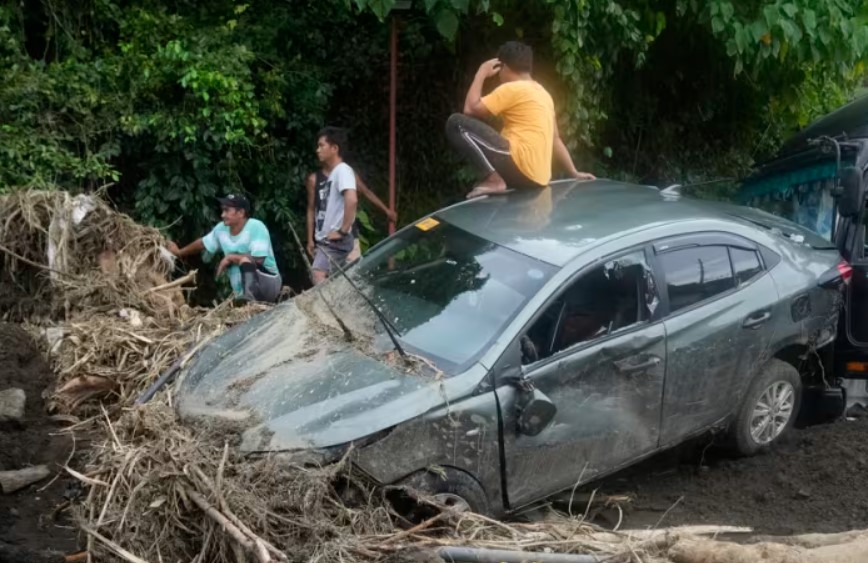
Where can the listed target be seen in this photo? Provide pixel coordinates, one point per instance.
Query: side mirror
(851, 197)
(537, 413)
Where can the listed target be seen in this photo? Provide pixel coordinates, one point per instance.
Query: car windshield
(447, 292)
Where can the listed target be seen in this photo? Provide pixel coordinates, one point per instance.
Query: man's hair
(516, 55)
(335, 136)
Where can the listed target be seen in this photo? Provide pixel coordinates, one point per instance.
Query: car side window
(611, 297)
(695, 274)
(746, 264)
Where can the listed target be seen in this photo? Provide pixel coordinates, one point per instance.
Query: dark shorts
(329, 252)
(263, 285)
(267, 287)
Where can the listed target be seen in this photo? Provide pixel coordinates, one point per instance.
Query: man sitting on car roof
(521, 155)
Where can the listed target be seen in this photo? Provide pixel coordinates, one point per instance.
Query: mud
(813, 481)
(36, 518)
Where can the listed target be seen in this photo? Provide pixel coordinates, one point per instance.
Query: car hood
(290, 383)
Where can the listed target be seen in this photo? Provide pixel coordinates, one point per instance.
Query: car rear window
(746, 264)
(695, 274)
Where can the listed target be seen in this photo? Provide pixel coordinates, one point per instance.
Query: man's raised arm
(473, 105)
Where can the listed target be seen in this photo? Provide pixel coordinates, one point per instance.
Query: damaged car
(510, 347)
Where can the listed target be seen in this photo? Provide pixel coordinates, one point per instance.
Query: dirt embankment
(814, 481)
(33, 519)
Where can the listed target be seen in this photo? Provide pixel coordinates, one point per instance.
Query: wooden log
(855, 550)
(816, 540)
(11, 481)
(255, 545)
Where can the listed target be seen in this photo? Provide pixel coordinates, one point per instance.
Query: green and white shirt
(253, 240)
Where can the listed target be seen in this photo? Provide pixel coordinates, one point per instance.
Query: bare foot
(491, 184)
(480, 191)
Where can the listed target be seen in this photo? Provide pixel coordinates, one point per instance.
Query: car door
(716, 324)
(597, 353)
(850, 240)
(856, 311)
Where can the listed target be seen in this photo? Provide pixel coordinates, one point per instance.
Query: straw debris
(63, 253)
(172, 494)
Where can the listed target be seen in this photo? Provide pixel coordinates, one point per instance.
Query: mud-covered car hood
(289, 387)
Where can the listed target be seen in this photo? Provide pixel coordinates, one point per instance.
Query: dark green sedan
(506, 348)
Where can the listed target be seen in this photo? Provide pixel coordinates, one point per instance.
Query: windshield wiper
(344, 328)
(390, 328)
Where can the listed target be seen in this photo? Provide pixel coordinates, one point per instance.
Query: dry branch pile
(120, 353)
(63, 253)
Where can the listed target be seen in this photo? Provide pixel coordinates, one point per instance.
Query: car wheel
(769, 409)
(451, 488)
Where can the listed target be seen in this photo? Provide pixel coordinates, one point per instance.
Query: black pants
(486, 150)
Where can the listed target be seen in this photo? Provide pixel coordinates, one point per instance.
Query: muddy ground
(34, 520)
(813, 481)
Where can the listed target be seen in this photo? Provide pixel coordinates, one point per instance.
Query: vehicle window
(745, 263)
(448, 292)
(611, 297)
(695, 274)
(802, 195)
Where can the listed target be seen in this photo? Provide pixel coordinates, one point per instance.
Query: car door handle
(756, 319)
(650, 363)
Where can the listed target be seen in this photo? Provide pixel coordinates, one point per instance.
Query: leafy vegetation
(167, 104)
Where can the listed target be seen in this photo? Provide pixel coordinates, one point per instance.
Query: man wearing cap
(246, 247)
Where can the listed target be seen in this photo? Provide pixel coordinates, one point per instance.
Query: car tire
(769, 409)
(452, 488)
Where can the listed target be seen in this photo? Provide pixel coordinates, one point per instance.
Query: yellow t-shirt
(528, 124)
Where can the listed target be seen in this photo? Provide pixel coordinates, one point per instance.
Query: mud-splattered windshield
(447, 292)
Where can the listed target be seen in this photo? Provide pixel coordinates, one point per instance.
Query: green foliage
(783, 49)
(446, 14)
(173, 103)
(689, 89)
(590, 39)
(769, 39)
(48, 113)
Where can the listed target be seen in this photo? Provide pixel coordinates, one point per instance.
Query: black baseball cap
(235, 200)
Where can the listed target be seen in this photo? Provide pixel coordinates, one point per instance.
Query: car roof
(557, 223)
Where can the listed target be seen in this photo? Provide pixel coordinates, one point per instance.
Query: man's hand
(489, 68)
(334, 236)
(391, 216)
(583, 175)
(172, 247)
(311, 248)
(225, 263)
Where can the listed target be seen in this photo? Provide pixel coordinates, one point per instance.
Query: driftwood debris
(11, 481)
